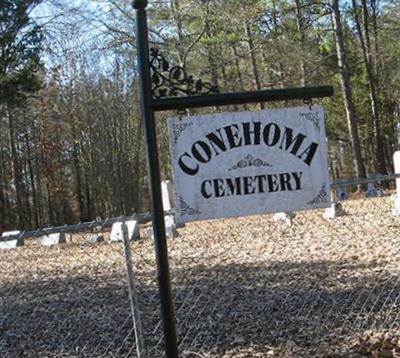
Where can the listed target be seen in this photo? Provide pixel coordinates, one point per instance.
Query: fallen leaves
(243, 287)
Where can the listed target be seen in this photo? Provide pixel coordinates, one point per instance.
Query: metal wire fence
(243, 287)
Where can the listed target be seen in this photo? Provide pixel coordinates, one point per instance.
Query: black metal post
(167, 310)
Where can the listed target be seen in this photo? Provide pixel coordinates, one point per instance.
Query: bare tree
(346, 89)
(364, 37)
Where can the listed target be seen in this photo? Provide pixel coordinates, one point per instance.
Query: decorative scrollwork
(250, 161)
(186, 209)
(313, 118)
(322, 197)
(172, 81)
(178, 129)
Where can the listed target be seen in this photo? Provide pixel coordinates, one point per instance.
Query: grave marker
(133, 231)
(334, 211)
(167, 195)
(170, 228)
(53, 239)
(170, 232)
(285, 217)
(169, 204)
(10, 244)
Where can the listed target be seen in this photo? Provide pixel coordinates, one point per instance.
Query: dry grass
(247, 287)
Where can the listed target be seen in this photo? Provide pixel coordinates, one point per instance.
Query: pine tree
(20, 41)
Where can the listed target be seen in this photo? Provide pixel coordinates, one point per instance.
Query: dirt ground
(243, 287)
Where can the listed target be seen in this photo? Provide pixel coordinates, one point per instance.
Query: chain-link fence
(243, 287)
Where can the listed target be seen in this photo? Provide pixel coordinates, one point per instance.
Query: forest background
(71, 142)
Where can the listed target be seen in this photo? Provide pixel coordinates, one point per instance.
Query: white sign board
(244, 163)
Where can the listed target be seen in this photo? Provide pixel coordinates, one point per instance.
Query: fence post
(137, 323)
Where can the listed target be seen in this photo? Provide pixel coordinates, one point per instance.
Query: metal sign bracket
(159, 86)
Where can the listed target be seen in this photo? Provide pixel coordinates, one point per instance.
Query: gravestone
(170, 232)
(285, 217)
(10, 244)
(170, 226)
(169, 204)
(133, 231)
(334, 211)
(53, 239)
(169, 219)
(167, 195)
(396, 161)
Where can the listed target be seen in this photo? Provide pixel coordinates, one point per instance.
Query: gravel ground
(243, 287)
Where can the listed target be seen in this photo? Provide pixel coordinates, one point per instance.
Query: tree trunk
(280, 72)
(16, 170)
(136, 166)
(3, 182)
(78, 181)
(250, 43)
(346, 90)
(379, 156)
(212, 59)
(2, 189)
(376, 40)
(302, 35)
(32, 181)
(238, 73)
(175, 7)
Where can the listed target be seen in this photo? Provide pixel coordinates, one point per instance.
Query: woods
(71, 143)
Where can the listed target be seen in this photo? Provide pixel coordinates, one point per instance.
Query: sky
(73, 30)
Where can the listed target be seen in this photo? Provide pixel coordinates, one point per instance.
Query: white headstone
(169, 220)
(10, 244)
(133, 231)
(170, 232)
(396, 161)
(167, 195)
(170, 228)
(285, 217)
(333, 211)
(168, 199)
(53, 239)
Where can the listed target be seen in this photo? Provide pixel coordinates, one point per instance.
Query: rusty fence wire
(257, 286)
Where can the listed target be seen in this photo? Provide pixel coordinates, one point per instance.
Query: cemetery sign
(244, 163)
(163, 87)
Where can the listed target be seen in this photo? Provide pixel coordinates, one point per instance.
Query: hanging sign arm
(222, 99)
